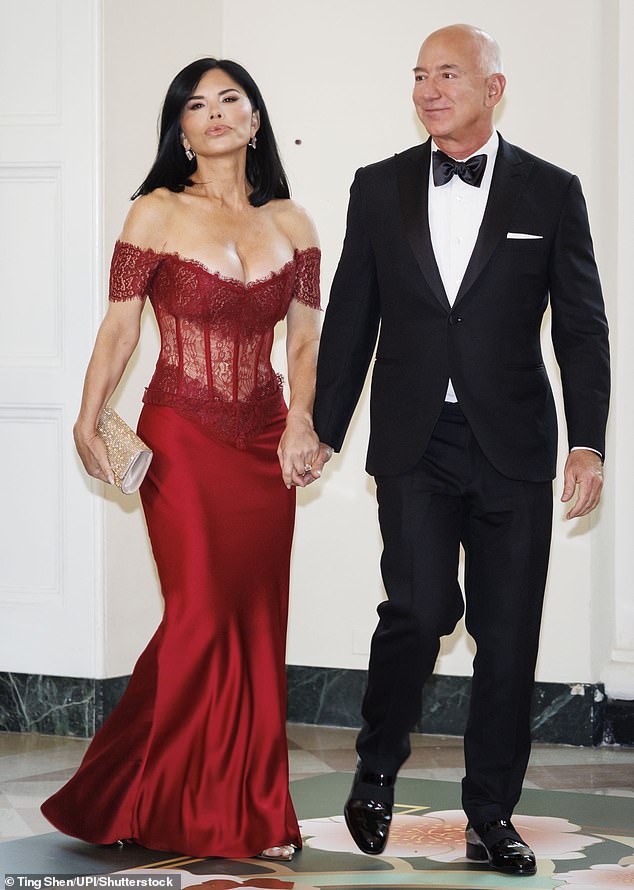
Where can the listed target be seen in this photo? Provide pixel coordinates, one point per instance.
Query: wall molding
(41, 427)
(50, 35)
(21, 182)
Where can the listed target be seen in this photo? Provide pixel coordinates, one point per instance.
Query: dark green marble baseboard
(563, 713)
(619, 723)
(71, 706)
(573, 714)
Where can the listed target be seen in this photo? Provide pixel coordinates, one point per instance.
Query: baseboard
(65, 706)
(563, 713)
(618, 726)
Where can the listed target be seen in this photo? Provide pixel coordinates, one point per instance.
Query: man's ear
(496, 85)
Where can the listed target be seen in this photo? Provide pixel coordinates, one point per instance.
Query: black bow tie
(470, 171)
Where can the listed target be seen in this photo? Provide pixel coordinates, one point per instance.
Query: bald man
(453, 251)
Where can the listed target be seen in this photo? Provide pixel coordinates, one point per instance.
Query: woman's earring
(253, 142)
(190, 154)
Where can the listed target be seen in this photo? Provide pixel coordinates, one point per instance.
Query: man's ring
(307, 468)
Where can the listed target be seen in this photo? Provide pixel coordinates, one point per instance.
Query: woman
(194, 758)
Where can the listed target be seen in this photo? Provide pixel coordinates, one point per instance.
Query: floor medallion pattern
(580, 840)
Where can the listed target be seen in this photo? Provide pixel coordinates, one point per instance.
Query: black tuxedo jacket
(388, 284)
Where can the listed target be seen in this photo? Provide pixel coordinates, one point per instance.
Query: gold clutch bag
(129, 456)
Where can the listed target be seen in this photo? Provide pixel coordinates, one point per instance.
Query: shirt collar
(490, 148)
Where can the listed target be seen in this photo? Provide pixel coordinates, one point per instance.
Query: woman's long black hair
(172, 170)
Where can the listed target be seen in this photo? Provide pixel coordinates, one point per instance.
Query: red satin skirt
(194, 758)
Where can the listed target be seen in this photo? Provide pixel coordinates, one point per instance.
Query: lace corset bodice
(216, 333)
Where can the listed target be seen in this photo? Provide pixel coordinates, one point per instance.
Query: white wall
(613, 577)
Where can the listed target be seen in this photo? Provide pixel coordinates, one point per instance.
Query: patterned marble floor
(34, 766)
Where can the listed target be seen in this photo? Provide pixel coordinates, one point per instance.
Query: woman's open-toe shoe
(284, 852)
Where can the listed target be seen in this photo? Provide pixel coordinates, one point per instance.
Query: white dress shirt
(455, 216)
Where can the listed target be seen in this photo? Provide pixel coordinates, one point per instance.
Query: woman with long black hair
(194, 757)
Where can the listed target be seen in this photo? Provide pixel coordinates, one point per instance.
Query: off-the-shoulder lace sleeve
(131, 271)
(306, 288)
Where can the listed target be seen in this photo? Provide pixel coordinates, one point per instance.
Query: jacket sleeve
(579, 325)
(350, 327)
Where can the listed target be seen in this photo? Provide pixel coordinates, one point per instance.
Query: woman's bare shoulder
(296, 223)
(149, 218)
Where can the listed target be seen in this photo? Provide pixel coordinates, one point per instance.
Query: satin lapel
(413, 184)
(507, 185)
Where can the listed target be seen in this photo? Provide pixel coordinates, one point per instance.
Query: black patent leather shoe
(499, 844)
(368, 822)
(368, 819)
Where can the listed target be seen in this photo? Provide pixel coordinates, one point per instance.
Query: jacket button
(455, 319)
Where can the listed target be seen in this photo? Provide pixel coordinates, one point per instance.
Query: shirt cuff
(586, 448)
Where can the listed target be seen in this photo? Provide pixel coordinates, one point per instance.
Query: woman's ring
(307, 468)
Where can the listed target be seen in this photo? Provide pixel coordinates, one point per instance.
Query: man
(454, 248)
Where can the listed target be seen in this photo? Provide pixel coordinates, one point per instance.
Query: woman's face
(218, 118)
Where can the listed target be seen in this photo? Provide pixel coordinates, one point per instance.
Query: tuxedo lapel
(507, 184)
(413, 185)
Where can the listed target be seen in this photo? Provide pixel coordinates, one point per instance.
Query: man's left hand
(584, 469)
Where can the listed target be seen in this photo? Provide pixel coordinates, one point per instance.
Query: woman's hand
(298, 451)
(92, 451)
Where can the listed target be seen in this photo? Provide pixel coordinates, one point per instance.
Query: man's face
(451, 92)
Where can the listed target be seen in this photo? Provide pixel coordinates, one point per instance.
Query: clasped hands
(302, 456)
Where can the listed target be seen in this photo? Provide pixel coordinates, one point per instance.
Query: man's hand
(584, 469)
(325, 453)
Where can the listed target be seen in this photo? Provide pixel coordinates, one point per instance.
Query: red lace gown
(194, 757)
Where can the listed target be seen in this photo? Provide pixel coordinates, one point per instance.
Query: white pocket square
(522, 235)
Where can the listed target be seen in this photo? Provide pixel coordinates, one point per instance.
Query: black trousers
(453, 496)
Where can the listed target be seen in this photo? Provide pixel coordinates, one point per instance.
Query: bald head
(457, 84)
(485, 49)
